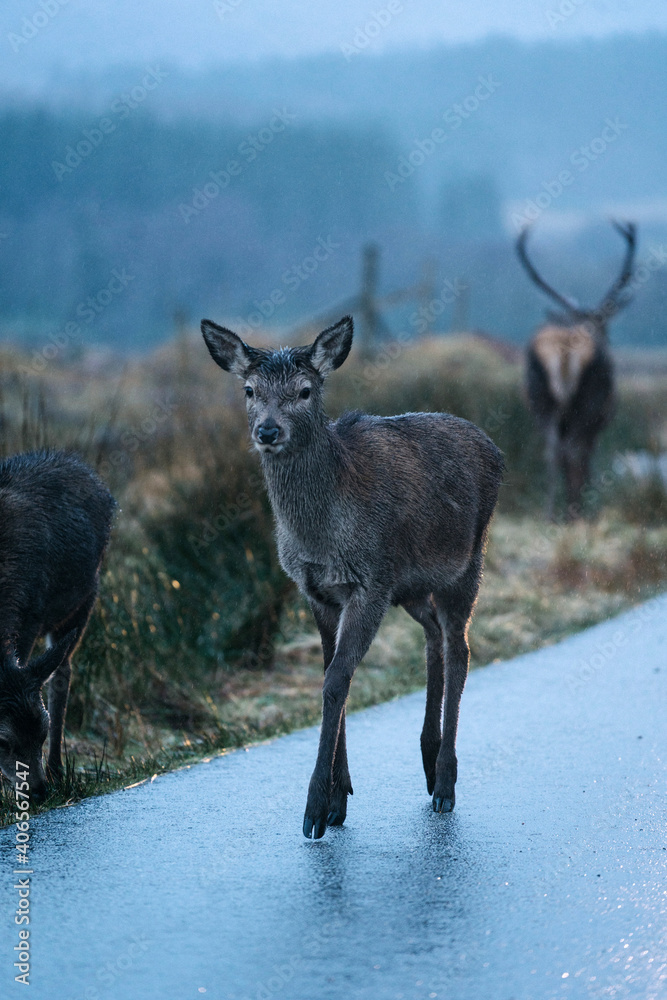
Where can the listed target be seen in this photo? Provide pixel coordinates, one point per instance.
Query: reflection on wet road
(548, 880)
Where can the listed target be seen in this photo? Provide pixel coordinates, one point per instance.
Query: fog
(205, 151)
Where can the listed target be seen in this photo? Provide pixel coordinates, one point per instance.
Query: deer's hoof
(430, 749)
(442, 805)
(314, 829)
(318, 806)
(39, 795)
(338, 804)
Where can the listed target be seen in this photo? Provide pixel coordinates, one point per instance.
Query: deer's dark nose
(268, 432)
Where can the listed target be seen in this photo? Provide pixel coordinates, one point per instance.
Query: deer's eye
(249, 391)
(305, 393)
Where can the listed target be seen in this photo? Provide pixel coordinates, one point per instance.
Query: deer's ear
(40, 669)
(332, 346)
(226, 349)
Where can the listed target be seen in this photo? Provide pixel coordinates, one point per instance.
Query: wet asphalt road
(548, 880)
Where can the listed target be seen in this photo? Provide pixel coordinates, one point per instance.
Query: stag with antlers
(570, 375)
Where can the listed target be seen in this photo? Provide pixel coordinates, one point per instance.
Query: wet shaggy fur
(370, 511)
(55, 521)
(396, 503)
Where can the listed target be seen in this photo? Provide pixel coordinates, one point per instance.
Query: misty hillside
(203, 33)
(437, 156)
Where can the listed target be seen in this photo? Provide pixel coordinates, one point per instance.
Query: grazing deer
(570, 376)
(55, 520)
(370, 512)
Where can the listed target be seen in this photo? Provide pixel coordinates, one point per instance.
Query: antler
(567, 304)
(613, 301)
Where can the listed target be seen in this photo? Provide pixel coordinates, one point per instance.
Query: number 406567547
(22, 775)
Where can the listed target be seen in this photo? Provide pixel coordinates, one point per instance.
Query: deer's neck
(302, 484)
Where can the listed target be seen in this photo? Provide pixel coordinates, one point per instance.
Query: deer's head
(283, 388)
(24, 721)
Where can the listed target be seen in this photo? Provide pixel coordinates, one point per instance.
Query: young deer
(55, 520)
(370, 512)
(570, 376)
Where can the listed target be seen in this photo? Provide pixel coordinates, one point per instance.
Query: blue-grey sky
(196, 34)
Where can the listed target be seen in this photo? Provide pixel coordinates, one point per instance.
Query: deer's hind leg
(425, 613)
(576, 469)
(454, 611)
(327, 618)
(552, 453)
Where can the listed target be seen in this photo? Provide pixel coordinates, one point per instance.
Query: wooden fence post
(368, 299)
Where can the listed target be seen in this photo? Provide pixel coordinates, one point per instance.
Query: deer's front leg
(327, 617)
(359, 621)
(58, 693)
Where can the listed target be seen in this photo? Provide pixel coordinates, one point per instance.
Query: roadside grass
(538, 588)
(199, 644)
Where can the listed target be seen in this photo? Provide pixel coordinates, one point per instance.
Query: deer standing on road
(55, 520)
(370, 512)
(570, 376)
